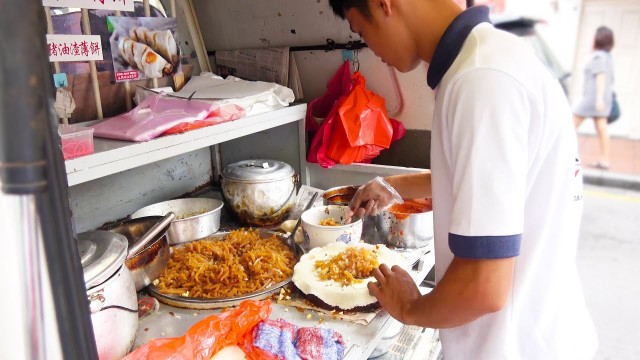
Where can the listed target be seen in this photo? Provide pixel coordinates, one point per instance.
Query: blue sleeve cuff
(485, 247)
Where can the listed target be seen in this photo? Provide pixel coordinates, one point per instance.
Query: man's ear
(381, 5)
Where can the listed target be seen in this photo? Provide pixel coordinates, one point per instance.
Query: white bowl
(316, 235)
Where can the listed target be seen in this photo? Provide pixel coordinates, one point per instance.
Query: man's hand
(374, 196)
(394, 289)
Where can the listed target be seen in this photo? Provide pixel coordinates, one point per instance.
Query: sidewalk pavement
(624, 170)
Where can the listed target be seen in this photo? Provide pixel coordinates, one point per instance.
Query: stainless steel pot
(260, 192)
(110, 292)
(408, 225)
(185, 229)
(148, 264)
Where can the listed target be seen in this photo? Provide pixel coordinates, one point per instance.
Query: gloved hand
(374, 196)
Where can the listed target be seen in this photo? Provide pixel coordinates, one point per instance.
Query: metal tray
(203, 303)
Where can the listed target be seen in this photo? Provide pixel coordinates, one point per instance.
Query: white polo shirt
(507, 183)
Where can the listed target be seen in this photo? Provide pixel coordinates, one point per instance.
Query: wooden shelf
(114, 156)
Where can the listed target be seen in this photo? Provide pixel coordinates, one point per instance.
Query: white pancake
(333, 293)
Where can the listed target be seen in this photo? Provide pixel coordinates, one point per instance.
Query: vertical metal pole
(86, 27)
(31, 165)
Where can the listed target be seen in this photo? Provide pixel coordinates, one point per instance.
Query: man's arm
(469, 289)
(412, 186)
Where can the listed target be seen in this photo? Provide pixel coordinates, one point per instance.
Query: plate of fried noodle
(224, 269)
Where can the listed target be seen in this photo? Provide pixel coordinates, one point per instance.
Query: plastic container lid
(259, 170)
(102, 253)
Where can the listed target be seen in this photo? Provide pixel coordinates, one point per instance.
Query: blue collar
(451, 42)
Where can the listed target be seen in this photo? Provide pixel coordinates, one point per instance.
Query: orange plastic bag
(363, 127)
(356, 129)
(205, 338)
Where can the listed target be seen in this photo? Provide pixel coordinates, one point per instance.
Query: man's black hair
(341, 6)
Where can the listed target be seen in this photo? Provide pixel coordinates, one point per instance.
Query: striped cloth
(285, 341)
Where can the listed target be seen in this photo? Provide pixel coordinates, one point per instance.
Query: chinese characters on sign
(74, 47)
(123, 5)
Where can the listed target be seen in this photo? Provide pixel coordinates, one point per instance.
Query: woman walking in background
(597, 93)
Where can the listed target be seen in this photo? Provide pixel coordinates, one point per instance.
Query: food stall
(61, 202)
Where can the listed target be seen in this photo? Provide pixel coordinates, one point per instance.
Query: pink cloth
(159, 113)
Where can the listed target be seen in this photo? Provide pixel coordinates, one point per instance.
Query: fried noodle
(350, 266)
(240, 264)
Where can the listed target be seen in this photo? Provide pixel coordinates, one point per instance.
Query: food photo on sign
(144, 47)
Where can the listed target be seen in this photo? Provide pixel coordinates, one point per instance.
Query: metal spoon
(151, 234)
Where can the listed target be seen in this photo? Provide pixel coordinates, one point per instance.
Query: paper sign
(74, 47)
(124, 5)
(144, 47)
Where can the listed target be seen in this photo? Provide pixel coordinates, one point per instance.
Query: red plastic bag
(357, 129)
(205, 338)
(339, 85)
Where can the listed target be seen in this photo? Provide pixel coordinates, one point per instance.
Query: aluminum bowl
(408, 225)
(148, 264)
(185, 229)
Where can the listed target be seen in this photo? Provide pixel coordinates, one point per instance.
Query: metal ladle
(151, 234)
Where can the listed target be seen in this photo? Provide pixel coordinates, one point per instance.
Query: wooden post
(56, 65)
(178, 78)
(86, 27)
(127, 84)
(196, 35)
(147, 12)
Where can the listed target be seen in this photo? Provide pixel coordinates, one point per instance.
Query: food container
(342, 195)
(260, 192)
(316, 235)
(196, 218)
(148, 264)
(407, 225)
(75, 140)
(110, 292)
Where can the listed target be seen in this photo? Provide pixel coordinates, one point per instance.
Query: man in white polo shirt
(505, 182)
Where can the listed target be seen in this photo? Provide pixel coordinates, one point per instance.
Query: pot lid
(102, 253)
(259, 170)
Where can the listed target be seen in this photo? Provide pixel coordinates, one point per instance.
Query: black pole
(470, 3)
(31, 164)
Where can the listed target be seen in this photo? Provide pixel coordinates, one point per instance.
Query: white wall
(251, 24)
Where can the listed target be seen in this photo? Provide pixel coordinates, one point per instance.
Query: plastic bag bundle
(356, 128)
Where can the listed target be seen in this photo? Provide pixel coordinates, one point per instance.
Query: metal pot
(110, 292)
(185, 229)
(260, 192)
(408, 225)
(148, 264)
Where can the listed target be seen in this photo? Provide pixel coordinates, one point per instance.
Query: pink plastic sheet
(158, 114)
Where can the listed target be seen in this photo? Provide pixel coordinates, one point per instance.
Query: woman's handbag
(615, 109)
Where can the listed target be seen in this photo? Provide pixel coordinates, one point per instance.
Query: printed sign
(144, 47)
(74, 47)
(123, 5)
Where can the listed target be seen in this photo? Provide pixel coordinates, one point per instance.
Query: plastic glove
(374, 196)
